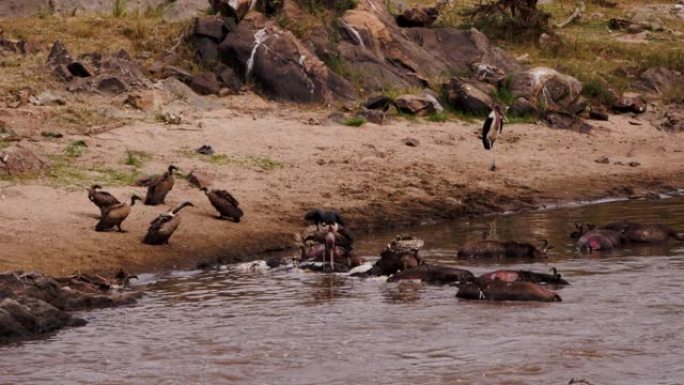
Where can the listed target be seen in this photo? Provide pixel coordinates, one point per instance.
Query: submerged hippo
(644, 233)
(434, 274)
(499, 290)
(486, 249)
(523, 276)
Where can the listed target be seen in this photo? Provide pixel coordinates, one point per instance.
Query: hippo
(486, 249)
(499, 290)
(434, 274)
(601, 239)
(645, 233)
(523, 276)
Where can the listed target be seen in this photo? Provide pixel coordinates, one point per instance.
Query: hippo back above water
(645, 233)
(489, 249)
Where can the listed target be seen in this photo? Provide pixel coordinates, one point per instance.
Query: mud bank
(279, 165)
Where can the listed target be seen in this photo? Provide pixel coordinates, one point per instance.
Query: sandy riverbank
(279, 166)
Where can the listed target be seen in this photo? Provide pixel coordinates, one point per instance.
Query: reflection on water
(619, 322)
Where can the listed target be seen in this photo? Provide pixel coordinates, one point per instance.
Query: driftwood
(576, 15)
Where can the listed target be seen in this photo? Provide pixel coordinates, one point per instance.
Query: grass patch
(136, 158)
(356, 121)
(438, 117)
(76, 148)
(64, 172)
(81, 117)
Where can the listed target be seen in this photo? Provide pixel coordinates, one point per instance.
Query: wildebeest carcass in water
(329, 242)
(554, 278)
(645, 233)
(499, 290)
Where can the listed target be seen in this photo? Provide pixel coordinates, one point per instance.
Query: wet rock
(378, 102)
(598, 113)
(281, 66)
(418, 17)
(373, 116)
(630, 102)
(33, 304)
(199, 179)
(411, 142)
(418, 104)
(210, 26)
(463, 95)
(17, 160)
(205, 84)
(602, 160)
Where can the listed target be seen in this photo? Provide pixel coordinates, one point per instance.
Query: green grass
(356, 121)
(136, 158)
(438, 117)
(63, 171)
(76, 148)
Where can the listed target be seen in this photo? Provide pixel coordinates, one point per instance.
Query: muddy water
(620, 322)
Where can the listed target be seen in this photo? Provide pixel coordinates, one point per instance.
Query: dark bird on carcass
(486, 249)
(160, 187)
(320, 217)
(224, 203)
(524, 276)
(164, 225)
(492, 127)
(101, 199)
(114, 215)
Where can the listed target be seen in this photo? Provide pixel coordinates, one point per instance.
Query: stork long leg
(493, 168)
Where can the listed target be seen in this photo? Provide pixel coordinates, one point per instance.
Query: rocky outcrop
(106, 74)
(32, 304)
(281, 66)
(465, 95)
(424, 104)
(659, 81)
(630, 102)
(548, 88)
(173, 10)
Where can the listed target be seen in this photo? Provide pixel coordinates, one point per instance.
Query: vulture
(320, 217)
(164, 225)
(101, 199)
(224, 203)
(114, 215)
(157, 190)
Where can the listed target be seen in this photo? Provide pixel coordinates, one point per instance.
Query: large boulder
(549, 88)
(630, 102)
(235, 9)
(464, 95)
(424, 104)
(384, 55)
(281, 66)
(17, 160)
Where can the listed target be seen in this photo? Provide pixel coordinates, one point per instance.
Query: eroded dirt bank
(278, 166)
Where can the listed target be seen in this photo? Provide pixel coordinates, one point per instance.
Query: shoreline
(278, 167)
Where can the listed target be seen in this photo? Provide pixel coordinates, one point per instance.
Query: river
(620, 321)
